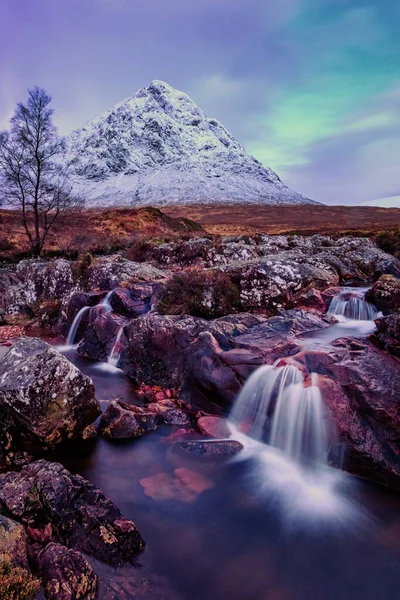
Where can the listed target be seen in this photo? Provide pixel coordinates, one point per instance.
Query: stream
(253, 527)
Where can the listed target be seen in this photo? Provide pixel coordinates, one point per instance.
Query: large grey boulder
(44, 398)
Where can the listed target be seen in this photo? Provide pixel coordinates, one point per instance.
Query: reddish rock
(312, 299)
(214, 427)
(184, 485)
(385, 293)
(361, 386)
(125, 421)
(171, 412)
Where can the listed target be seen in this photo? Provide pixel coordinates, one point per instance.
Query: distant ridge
(158, 148)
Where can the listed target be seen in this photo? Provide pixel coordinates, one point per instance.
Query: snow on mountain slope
(159, 148)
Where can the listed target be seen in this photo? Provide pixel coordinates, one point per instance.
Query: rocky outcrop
(126, 421)
(134, 301)
(44, 398)
(385, 294)
(387, 334)
(109, 272)
(56, 506)
(353, 376)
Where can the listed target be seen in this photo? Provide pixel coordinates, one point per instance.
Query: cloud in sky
(310, 87)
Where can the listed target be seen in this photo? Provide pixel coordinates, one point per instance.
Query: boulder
(107, 273)
(214, 427)
(100, 335)
(123, 421)
(44, 398)
(312, 299)
(66, 574)
(46, 280)
(385, 294)
(387, 334)
(56, 506)
(134, 301)
(353, 376)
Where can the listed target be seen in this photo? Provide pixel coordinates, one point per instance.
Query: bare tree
(33, 177)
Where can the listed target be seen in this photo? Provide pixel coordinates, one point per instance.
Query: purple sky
(310, 87)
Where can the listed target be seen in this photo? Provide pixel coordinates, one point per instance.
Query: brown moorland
(239, 219)
(103, 231)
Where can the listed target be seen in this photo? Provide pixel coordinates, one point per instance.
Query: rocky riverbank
(187, 326)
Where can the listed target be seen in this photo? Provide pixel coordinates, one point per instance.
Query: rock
(100, 335)
(171, 412)
(109, 272)
(185, 485)
(353, 377)
(214, 427)
(13, 542)
(80, 299)
(123, 421)
(66, 574)
(46, 280)
(387, 335)
(212, 448)
(313, 299)
(385, 293)
(47, 398)
(270, 284)
(56, 506)
(135, 301)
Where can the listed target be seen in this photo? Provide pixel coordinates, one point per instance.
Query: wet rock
(56, 506)
(385, 293)
(66, 574)
(312, 299)
(80, 299)
(136, 300)
(100, 336)
(125, 421)
(43, 395)
(13, 541)
(185, 485)
(214, 427)
(171, 412)
(387, 335)
(353, 377)
(215, 372)
(212, 448)
(110, 271)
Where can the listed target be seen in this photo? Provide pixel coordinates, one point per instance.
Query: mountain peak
(158, 148)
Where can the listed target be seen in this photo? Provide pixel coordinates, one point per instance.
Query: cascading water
(75, 324)
(276, 407)
(105, 303)
(351, 303)
(115, 353)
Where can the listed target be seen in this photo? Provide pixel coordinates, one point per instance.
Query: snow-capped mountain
(159, 148)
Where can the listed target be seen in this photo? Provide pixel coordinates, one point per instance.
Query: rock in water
(158, 148)
(44, 398)
(56, 506)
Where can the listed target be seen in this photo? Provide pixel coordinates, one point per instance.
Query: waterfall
(351, 303)
(115, 353)
(75, 324)
(105, 303)
(275, 406)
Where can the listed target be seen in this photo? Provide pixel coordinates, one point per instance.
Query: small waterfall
(276, 407)
(75, 324)
(105, 303)
(351, 303)
(115, 353)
